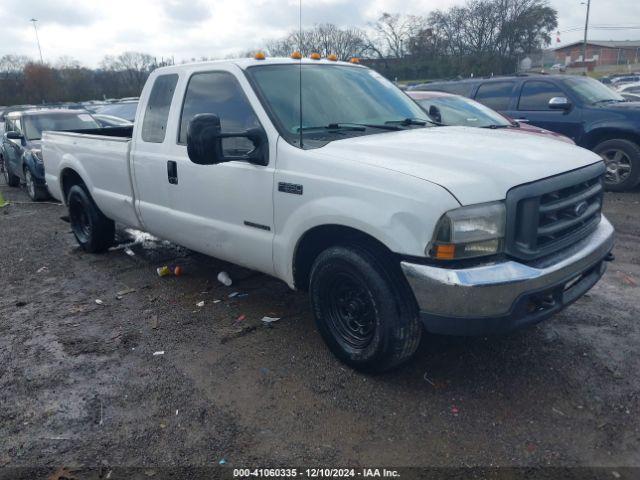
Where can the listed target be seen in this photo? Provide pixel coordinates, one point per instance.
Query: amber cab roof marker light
(315, 56)
(355, 60)
(332, 58)
(260, 56)
(296, 55)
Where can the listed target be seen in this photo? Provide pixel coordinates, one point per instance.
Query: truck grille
(546, 216)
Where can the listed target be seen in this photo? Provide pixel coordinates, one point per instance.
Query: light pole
(586, 30)
(34, 20)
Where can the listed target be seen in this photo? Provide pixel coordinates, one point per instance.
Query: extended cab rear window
(496, 95)
(156, 115)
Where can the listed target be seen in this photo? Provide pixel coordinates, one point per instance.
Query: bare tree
(394, 33)
(135, 67)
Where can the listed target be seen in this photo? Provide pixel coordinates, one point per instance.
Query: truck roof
(245, 63)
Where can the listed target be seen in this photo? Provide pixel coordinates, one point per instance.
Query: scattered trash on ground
(200, 304)
(43, 269)
(129, 252)
(269, 320)
(21, 303)
(3, 203)
(159, 352)
(242, 295)
(99, 302)
(178, 271)
(241, 318)
(234, 294)
(222, 462)
(154, 321)
(225, 279)
(628, 279)
(428, 380)
(217, 301)
(555, 410)
(455, 410)
(163, 271)
(124, 292)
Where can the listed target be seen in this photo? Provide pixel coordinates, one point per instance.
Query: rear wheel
(622, 158)
(364, 309)
(35, 192)
(11, 179)
(94, 232)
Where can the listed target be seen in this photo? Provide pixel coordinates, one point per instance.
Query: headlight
(468, 232)
(37, 153)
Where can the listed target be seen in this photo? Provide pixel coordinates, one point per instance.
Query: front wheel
(364, 308)
(11, 179)
(622, 158)
(35, 192)
(94, 232)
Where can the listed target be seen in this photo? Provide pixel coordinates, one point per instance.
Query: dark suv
(583, 109)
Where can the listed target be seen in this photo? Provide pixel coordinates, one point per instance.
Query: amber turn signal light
(445, 252)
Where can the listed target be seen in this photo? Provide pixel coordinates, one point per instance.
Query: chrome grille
(546, 216)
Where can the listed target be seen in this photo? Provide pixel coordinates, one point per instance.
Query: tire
(364, 308)
(623, 164)
(35, 192)
(11, 179)
(94, 232)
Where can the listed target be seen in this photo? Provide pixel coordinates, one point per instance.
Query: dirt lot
(80, 385)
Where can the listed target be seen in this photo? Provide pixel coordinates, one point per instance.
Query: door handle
(172, 172)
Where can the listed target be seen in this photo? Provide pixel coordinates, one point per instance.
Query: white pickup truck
(392, 224)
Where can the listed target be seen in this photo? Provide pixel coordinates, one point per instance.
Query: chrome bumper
(507, 292)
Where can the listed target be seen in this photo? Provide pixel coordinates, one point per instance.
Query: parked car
(629, 88)
(631, 97)
(384, 219)
(21, 144)
(111, 121)
(621, 80)
(451, 110)
(583, 109)
(126, 110)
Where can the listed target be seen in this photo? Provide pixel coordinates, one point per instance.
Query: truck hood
(475, 165)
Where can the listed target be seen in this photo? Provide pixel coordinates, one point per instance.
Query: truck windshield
(336, 99)
(591, 91)
(34, 125)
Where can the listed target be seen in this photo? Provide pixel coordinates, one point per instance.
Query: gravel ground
(80, 384)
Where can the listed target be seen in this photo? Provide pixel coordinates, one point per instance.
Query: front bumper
(501, 297)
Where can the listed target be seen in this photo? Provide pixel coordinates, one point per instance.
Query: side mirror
(204, 142)
(13, 135)
(559, 103)
(435, 114)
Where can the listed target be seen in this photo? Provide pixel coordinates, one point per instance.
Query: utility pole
(586, 31)
(34, 20)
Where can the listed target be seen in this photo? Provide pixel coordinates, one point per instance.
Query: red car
(447, 109)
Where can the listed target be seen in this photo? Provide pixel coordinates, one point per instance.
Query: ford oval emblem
(580, 208)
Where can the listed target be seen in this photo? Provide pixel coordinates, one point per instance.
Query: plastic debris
(428, 380)
(455, 410)
(43, 269)
(200, 304)
(129, 252)
(3, 203)
(217, 301)
(269, 320)
(124, 292)
(177, 271)
(154, 321)
(234, 294)
(242, 295)
(163, 271)
(225, 279)
(241, 318)
(222, 462)
(99, 302)
(159, 352)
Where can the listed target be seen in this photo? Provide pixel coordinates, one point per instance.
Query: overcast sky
(89, 29)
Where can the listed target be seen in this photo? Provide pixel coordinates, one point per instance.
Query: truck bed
(101, 157)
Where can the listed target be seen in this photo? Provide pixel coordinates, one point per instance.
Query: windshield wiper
(335, 126)
(410, 121)
(496, 126)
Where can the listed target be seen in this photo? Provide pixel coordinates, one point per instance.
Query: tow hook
(610, 257)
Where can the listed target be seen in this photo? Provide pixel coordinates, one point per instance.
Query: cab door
(224, 210)
(533, 107)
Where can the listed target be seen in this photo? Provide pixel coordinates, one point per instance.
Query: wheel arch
(317, 239)
(599, 135)
(68, 178)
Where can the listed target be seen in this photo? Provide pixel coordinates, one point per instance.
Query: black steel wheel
(94, 232)
(364, 309)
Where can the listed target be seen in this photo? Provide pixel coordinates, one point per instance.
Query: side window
(536, 95)
(154, 126)
(455, 88)
(8, 125)
(496, 95)
(17, 125)
(219, 93)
